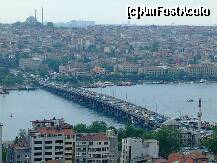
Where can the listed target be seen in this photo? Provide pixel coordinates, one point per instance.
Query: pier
(109, 105)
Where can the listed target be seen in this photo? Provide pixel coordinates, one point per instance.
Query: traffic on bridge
(111, 106)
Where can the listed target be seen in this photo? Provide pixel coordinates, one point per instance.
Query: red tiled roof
(196, 155)
(181, 157)
(93, 137)
(53, 131)
(161, 161)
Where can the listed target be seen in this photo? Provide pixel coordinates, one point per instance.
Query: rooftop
(93, 137)
(52, 131)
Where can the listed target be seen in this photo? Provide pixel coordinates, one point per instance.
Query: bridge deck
(120, 109)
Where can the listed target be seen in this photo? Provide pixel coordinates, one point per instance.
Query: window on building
(59, 141)
(48, 147)
(98, 149)
(37, 159)
(37, 142)
(90, 143)
(104, 161)
(37, 153)
(48, 153)
(68, 148)
(58, 147)
(48, 142)
(46, 159)
(67, 143)
(37, 148)
(58, 153)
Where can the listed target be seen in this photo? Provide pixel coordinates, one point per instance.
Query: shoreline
(154, 82)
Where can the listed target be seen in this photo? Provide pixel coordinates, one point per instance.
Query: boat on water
(125, 84)
(190, 100)
(203, 81)
(159, 82)
(3, 91)
(108, 84)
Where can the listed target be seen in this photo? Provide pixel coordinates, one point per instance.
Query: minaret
(199, 115)
(36, 14)
(42, 16)
(1, 142)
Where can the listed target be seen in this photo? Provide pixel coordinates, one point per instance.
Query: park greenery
(169, 138)
(8, 79)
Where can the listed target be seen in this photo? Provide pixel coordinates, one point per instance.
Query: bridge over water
(111, 106)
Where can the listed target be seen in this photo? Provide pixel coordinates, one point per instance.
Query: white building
(31, 63)
(128, 68)
(52, 140)
(133, 148)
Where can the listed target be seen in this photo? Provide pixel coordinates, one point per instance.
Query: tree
(169, 140)
(211, 143)
(16, 141)
(53, 64)
(97, 126)
(22, 134)
(4, 154)
(81, 128)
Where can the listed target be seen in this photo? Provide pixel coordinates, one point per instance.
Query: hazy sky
(102, 11)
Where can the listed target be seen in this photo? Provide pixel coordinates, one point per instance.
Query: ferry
(190, 100)
(203, 81)
(108, 84)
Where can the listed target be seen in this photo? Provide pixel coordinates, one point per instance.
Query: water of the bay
(26, 106)
(168, 99)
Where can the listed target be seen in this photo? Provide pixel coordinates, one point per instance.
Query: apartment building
(155, 70)
(137, 149)
(96, 148)
(31, 63)
(128, 68)
(52, 140)
(18, 154)
(202, 69)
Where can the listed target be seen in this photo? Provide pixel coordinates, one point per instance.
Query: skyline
(101, 11)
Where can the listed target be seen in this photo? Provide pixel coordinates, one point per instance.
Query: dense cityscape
(69, 59)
